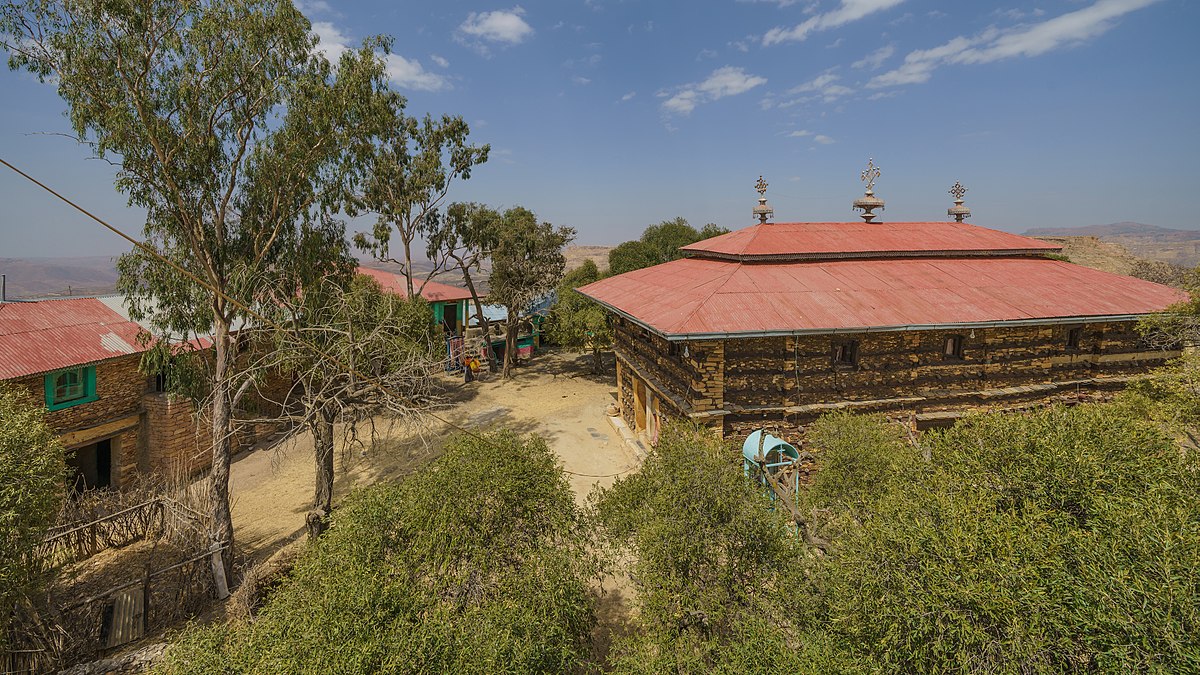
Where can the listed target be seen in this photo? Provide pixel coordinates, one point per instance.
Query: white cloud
(410, 74)
(727, 81)
(440, 61)
(579, 79)
(1015, 14)
(919, 65)
(706, 54)
(1026, 40)
(876, 58)
(403, 73)
(628, 97)
(308, 7)
(331, 41)
(817, 138)
(743, 45)
(848, 11)
(824, 86)
(505, 27)
(1069, 29)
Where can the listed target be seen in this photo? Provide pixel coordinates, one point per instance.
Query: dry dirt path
(552, 396)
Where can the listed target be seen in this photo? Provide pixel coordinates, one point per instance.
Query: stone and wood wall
(738, 385)
(147, 432)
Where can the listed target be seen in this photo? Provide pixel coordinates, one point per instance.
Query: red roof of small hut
(39, 337)
(432, 291)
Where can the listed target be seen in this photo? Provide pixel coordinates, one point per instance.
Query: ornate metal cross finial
(869, 202)
(958, 211)
(763, 212)
(870, 174)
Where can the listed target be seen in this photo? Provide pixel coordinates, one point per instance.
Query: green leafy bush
(474, 564)
(1066, 540)
(32, 485)
(716, 567)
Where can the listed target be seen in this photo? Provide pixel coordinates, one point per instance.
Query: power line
(150, 250)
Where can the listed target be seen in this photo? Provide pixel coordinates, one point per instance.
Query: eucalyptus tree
(236, 138)
(409, 177)
(463, 239)
(527, 264)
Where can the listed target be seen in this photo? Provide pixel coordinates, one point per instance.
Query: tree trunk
(510, 340)
(408, 271)
(222, 440)
(597, 361)
(484, 324)
(322, 428)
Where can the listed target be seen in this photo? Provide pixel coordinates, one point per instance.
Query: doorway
(639, 405)
(91, 466)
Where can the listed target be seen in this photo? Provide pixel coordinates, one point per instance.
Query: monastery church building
(775, 324)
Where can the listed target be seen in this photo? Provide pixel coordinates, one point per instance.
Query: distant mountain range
(1179, 247)
(59, 277)
(29, 278)
(1114, 247)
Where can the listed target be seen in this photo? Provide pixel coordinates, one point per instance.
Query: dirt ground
(553, 395)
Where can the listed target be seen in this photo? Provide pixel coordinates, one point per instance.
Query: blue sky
(609, 115)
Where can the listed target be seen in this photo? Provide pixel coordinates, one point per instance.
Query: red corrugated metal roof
(38, 337)
(698, 296)
(812, 241)
(433, 291)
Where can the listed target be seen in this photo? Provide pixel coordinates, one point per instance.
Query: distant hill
(1178, 247)
(29, 278)
(1112, 257)
(577, 254)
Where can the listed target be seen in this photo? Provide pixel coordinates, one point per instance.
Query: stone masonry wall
(687, 380)
(119, 386)
(177, 446)
(786, 380)
(115, 414)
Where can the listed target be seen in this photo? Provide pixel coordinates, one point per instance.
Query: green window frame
(73, 386)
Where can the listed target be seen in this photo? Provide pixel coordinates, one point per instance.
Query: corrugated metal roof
(698, 296)
(813, 241)
(432, 291)
(38, 337)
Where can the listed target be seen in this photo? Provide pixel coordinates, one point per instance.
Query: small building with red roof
(777, 323)
(450, 303)
(79, 358)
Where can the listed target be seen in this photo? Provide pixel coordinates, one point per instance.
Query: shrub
(32, 485)
(1065, 540)
(474, 564)
(716, 567)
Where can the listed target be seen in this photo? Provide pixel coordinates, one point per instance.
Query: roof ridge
(736, 266)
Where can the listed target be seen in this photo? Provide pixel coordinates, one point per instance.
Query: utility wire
(150, 250)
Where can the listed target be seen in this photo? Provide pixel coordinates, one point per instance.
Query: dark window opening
(953, 347)
(845, 353)
(92, 465)
(1074, 337)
